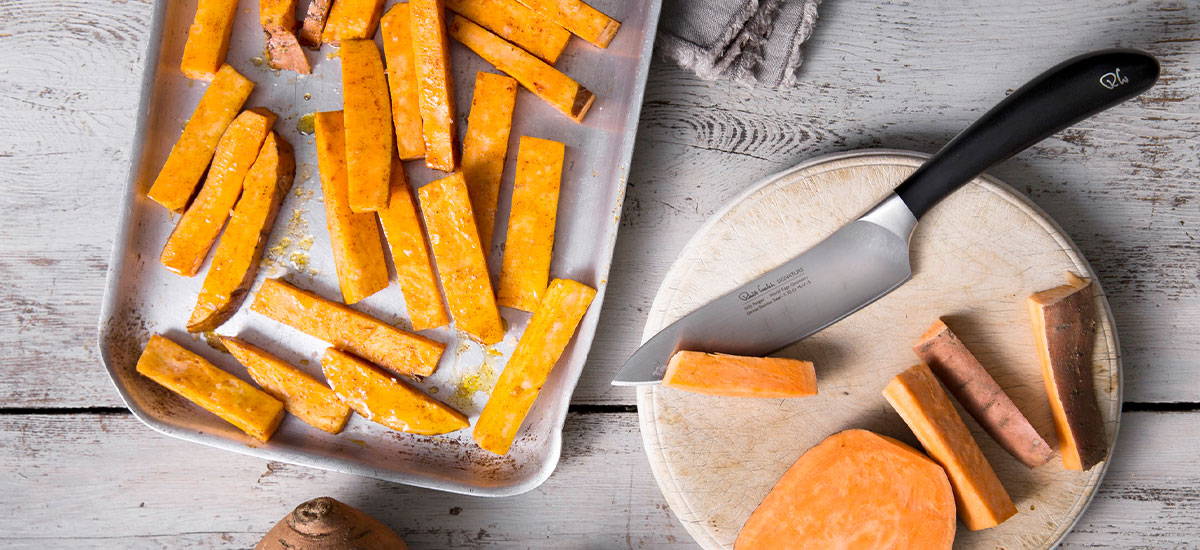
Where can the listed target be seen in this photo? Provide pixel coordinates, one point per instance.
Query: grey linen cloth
(749, 41)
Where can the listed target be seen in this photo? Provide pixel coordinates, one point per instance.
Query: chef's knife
(867, 258)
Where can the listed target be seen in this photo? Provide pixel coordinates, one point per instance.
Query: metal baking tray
(143, 298)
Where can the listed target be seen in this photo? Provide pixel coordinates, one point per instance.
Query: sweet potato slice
(525, 270)
(401, 352)
(200, 226)
(368, 122)
(414, 266)
(738, 376)
(402, 82)
(546, 82)
(303, 396)
(236, 260)
(461, 265)
(485, 146)
(201, 382)
(545, 338)
(315, 18)
(578, 17)
(925, 407)
(855, 490)
(1064, 329)
(208, 39)
(191, 154)
(431, 53)
(352, 20)
(980, 395)
(357, 248)
(516, 23)
(386, 400)
(278, 20)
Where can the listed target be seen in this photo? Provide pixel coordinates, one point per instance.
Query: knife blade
(869, 257)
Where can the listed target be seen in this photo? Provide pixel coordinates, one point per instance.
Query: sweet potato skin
(278, 20)
(485, 147)
(516, 23)
(208, 39)
(315, 18)
(402, 82)
(431, 53)
(335, 525)
(529, 248)
(386, 400)
(368, 126)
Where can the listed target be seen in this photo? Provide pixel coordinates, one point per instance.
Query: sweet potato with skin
(578, 17)
(435, 97)
(855, 490)
(352, 20)
(368, 123)
(236, 260)
(1064, 330)
(326, 524)
(201, 224)
(315, 18)
(980, 395)
(414, 266)
(208, 39)
(303, 396)
(401, 352)
(217, 391)
(402, 82)
(191, 154)
(525, 270)
(546, 82)
(386, 400)
(737, 376)
(485, 147)
(278, 20)
(516, 23)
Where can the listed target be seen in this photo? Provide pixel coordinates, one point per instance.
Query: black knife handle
(1071, 91)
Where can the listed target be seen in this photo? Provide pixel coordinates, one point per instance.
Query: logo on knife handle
(1113, 79)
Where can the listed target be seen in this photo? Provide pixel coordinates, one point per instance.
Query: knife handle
(1071, 91)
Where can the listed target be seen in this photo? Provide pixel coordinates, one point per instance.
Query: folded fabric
(750, 41)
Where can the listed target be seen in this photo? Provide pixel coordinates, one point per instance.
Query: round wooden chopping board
(976, 257)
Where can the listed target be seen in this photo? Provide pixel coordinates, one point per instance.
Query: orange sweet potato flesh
(315, 18)
(236, 260)
(1064, 329)
(381, 398)
(578, 17)
(980, 395)
(278, 20)
(352, 20)
(414, 265)
(402, 82)
(302, 395)
(435, 97)
(529, 244)
(485, 147)
(738, 376)
(920, 400)
(368, 122)
(855, 490)
(516, 23)
(208, 39)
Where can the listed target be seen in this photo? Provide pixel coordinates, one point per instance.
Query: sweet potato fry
(535, 75)
(208, 39)
(223, 394)
(357, 248)
(386, 400)
(368, 121)
(525, 271)
(237, 257)
(516, 23)
(352, 20)
(431, 54)
(402, 82)
(278, 20)
(578, 17)
(414, 267)
(302, 395)
(401, 352)
(460, 261)
(485, 146)
(191, 154)
(314, 22)
(199, 227)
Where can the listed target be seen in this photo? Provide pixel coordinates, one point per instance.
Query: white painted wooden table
(78, 471)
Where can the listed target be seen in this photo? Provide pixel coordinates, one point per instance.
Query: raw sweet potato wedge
(414, 266)
(278, 20)
(1064, 330)
(578, 17)
(461, 265)
(302, 395)
(357, 248)
(525, 270)
(485, 147)
(980, 395)
(546, 82)
(545, 338)
(236, 260)
(223, 394)
(201, 224)
(208, 39)
(431, 54)
(190, 155)
(401, 352)
(381, 398)
(315, 17)
(402, 82)
(352, 20)
(516, 23)
(855, 490)
(981, 500)
(738, 376)
(368, 122)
